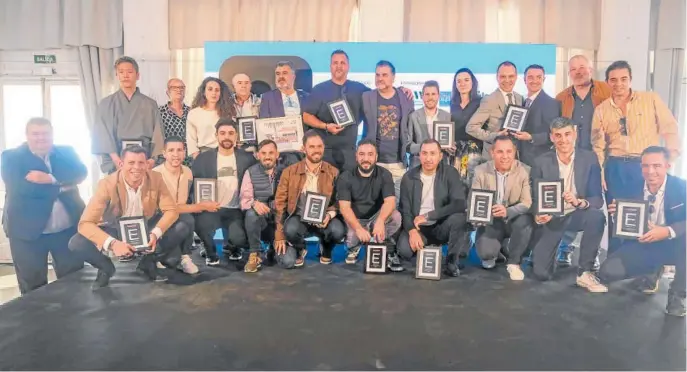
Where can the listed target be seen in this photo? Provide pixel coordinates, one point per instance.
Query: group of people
(397, 186)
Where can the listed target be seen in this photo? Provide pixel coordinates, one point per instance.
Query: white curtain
(97, 75)
(55, 24)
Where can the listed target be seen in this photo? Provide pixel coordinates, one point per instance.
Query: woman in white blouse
(212, 102)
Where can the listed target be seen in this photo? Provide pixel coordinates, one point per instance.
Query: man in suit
(433, 207)
(492, 109)
(534, 140)
(664, 243)
(387, 111)
(284, 101)
(132, 191)
(421, 122)
(226, 164)
(579, 169)
(510, 179)
(43, 205)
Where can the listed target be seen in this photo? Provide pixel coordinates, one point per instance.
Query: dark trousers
(633, 259)
(30, 258)
(259, 228)
(591, 221)
(296, 231)
(622, 176)
(183, 230)
(232, 219)
(342, 158)
(451, 230)
(491, 237)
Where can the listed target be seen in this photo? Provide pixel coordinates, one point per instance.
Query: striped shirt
(648, 120)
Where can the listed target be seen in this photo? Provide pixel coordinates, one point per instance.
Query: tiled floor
(8, 283)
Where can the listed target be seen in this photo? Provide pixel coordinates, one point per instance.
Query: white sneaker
(515, 272)
(160, 265)
(589, 281)
(187, 265)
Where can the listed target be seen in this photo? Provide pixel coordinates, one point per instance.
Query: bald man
(247, 104)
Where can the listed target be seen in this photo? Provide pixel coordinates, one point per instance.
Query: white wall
(15, 64)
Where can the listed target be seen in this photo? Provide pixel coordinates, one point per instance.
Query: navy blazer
(29, 205)
(205, 166)
(587, 175)
(539, 117)
(272, 105)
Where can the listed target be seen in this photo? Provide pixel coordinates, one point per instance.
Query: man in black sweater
(433, 207)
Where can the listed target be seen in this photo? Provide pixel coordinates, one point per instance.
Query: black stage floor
(336, 318)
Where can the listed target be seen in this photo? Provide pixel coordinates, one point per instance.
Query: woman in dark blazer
(465, 101)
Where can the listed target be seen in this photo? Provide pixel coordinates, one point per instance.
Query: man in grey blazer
(421, 122)
(534, 140)
(510, 179)
(387, 110)
(492, 109)
(581, 174)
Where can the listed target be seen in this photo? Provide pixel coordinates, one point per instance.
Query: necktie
(528, 103)
(510, 98)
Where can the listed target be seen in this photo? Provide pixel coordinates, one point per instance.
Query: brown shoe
(300, 261)
(254, 263)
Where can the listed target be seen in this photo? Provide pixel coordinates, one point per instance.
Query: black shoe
(394, 263)
(128, 258)
(676, 305)
(148, 268)
(235, 256)
(452, 269)
(270, 257)
(565, 257)
(102, 279)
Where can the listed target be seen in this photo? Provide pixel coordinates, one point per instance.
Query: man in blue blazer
(286, 100)
(43, 205)
(664, 242)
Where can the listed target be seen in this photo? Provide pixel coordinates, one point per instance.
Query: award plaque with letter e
(131, 142)
(315, 208)
(428, 263)
(515, 118)
(341, 112)
(443, 133)
(375, 259)
(247, 130)
(133, 231)
(631, 218)
(205, 189)
(479, 206)
(549, 197)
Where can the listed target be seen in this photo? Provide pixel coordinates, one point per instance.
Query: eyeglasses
(178, 89)
(623, 126)
(652, 200)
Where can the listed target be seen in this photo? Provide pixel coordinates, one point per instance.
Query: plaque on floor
(375, 259)
(133, 232)
(428, 263)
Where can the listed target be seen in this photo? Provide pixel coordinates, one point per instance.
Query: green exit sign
(44, 58)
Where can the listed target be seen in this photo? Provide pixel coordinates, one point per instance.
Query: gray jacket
(418, 132)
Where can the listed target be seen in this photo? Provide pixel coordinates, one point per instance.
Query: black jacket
(541, 113)
(205, 166)
(29, 205)
(449, 195)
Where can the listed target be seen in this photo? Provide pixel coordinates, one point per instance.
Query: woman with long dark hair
(465, 100)
(212, 102)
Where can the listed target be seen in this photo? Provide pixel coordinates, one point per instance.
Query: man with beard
(421, 122)
(339, 141)
(257, 200)
(132, 191)
(226, 164)
(433, 207)
(368, 205)
(309, 175)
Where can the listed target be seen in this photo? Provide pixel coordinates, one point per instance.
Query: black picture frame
(631, 218)
(247, 129)
(444, 133)
(480, 203)
(134, 231)
(546, 203)
(375, 259)
(515, 118)
(429, 263)
(202, 187)
(315, 208)
(341, 112)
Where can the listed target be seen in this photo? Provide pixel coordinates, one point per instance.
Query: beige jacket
(518, 189)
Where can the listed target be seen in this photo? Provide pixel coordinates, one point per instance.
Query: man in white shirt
(132, 191)
(246, 103)
(664, 242)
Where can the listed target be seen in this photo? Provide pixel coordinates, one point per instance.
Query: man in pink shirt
(257, 200)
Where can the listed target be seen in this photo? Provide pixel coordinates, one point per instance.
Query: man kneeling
(433, 207)
(368, 203)
(132, 191)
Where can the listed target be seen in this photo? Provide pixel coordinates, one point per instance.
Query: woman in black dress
(465, 101)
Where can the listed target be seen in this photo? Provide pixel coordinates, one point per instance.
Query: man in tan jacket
(510, 180)
(132, 191)
(309, 175)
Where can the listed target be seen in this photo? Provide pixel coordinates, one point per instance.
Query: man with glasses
(625, 125)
